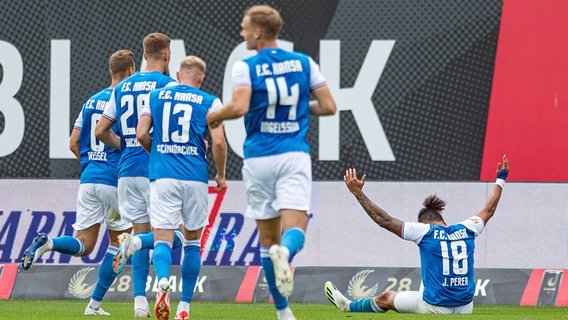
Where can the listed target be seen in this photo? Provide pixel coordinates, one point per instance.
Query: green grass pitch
(73, 309)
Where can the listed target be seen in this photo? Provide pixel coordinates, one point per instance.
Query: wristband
(502, 174)
(500, 182)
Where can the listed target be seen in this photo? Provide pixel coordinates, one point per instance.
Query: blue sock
(364, 305)
(190, 267)
(106, 276)
(140, 269)
(179, 239)
(279, 301)
(68, 245)
(147, 239)
(162, 259)
(293, 239)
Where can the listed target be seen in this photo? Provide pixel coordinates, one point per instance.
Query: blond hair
(155, 45)
(267, 18)
(191, 62)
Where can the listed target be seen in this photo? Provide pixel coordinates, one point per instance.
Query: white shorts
(97, 203)
(133, 198)
(412, 302)
(178, 201)
(277, 182)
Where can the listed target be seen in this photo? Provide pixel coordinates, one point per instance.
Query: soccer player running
(446, 254)
(128, 98)
(272, 89)
(179, 175)
(97, 196)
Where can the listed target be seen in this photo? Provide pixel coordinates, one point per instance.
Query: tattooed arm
(378, 214)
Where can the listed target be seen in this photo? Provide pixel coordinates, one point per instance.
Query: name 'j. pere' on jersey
(446, 258)
(99, 162)
(279, 112)
(127, 100)
(178, 138)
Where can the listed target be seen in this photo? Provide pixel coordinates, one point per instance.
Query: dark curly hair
(432, 211)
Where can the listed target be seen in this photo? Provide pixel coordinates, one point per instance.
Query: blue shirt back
(130, 97)
(446, 257)
(178, 137)
(99, 162)
(279, 112)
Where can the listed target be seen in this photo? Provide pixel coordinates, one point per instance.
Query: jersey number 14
(282, 97)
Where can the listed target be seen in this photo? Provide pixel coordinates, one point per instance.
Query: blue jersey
(128, 99)
(446, 258)
(98, 162)
(279, 112)
(178, 138)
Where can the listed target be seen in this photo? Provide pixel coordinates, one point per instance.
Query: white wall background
(527, 231)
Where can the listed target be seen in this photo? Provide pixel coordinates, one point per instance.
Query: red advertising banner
(8, 274)
(528, 112)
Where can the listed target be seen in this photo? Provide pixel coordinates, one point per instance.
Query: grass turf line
(73, 309)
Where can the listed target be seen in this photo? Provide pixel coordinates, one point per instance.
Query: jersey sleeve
(241, 74)
(475, 224)
(414, 231)
(110, 108)
(79, 121)
(217, 104)
(146, 111)
(317, 79)
(171, 84)
(148, 99)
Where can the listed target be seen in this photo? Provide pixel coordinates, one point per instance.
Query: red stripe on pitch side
(7, 279)
(246, 290)
(530, 295)
(212, 215)
(562, 299)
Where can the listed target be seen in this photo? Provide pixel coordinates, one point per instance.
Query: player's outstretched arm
(378, 214)
(103, 132)
(324, 105)
(491, 205)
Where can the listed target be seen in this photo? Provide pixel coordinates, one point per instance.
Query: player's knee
(89, 246)
(88, 249)
(385, 300)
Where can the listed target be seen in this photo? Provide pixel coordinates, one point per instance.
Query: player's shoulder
(207, 97)
(104, 94)
(131, 78)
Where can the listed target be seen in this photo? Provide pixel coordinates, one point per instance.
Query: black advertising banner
(78, 282)
(247, 284)
(412, 79)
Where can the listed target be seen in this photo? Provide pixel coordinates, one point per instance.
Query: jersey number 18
(459, 257)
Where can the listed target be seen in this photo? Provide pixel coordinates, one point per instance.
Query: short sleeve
(317, 79)
(146, 111)
(79, 121)
(171, 84)
(241, 74)
(475, 224)
(110, 108)
(414, 231)
(217, 104)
